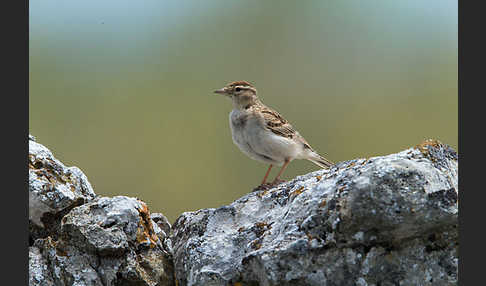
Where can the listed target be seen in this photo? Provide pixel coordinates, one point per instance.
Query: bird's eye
(238, 89)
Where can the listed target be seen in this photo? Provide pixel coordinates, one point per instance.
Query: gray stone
(388, 220)
(39, 273)
(78, 238)
(109, 225)
(54, 189)
(162, 222)
(162, 229)
(109, 241)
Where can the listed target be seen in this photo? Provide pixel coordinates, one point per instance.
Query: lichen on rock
(54, 190)
(79, 238)
(387, 220)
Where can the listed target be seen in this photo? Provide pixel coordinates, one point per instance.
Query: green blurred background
(123, 89)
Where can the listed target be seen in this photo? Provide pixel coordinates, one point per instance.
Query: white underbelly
(261, 144)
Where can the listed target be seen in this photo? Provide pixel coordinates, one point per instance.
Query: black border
(471, 203)
(15, 119)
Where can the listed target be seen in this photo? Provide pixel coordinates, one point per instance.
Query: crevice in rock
(52, 224)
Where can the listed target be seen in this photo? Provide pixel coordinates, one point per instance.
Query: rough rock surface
(78, 238)
(54, 190)
(39, 272)
(389, 220)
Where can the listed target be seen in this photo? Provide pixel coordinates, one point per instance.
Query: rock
(162, 222)
(39, 273)
(163, 230)
(388, 220)
(109, 241)
(54, 189)
(78, 238)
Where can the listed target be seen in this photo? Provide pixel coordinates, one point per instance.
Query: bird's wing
(280, 126)
(277, 124)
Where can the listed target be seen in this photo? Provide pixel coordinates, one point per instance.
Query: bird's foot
(277, 182)
(268, 186)
(263, 187)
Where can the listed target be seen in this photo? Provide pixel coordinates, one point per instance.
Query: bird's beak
(220, 91)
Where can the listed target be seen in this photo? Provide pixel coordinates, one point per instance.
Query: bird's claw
(263, 187)
(267, 186)
(277, 182)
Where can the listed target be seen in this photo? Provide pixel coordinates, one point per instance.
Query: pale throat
(243, 102)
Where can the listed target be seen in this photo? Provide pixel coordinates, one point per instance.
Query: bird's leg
(277, 178)
(265, 186)
(266, 175)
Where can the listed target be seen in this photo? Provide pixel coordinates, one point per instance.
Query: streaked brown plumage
(263, 134)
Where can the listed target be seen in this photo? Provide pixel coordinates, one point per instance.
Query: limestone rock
(109, 241)
(39, 272)
(388, 220)
(78, 238)
(54, 189)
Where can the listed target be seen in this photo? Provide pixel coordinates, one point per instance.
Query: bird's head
(242, 93)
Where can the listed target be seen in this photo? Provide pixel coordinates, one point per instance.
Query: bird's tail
(320, 161)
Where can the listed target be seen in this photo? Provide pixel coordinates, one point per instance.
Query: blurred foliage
(123, 89)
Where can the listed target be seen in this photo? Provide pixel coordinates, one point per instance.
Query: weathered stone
(162, 229)
(109, 241)
(78, 238)
(162, 222)
(68, 265)
(54, 189)
(389, 220)
(39, 272)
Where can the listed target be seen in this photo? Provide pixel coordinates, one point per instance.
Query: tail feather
(321, 161)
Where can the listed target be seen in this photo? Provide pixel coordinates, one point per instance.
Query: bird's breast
(239, 122)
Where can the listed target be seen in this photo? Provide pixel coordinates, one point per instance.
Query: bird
(263, 134)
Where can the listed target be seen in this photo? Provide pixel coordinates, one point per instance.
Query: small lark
(263, 134)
